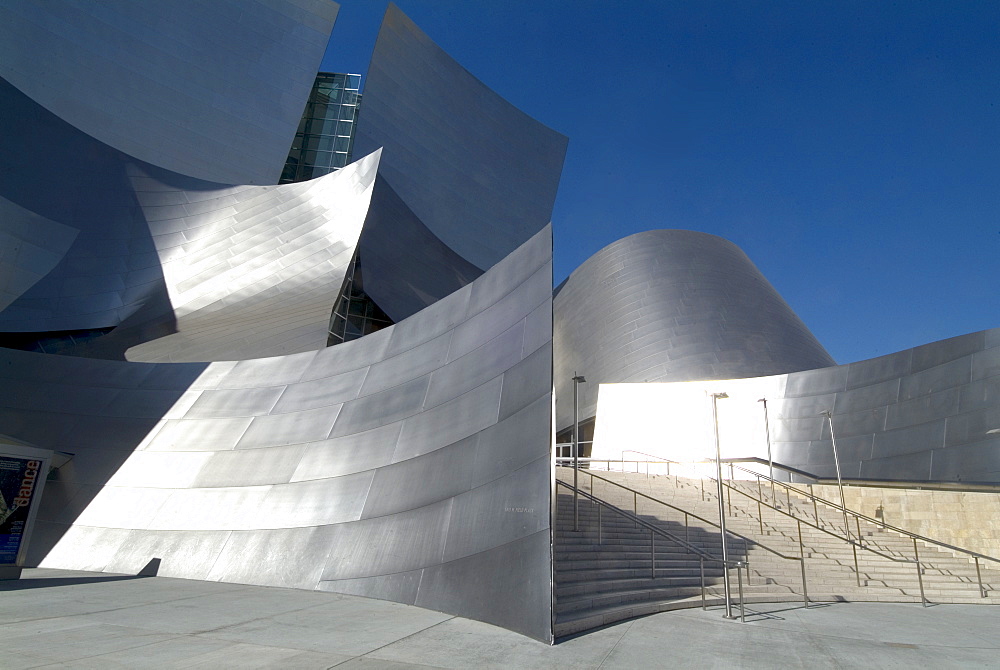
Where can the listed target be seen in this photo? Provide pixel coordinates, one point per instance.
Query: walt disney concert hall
(172, 321)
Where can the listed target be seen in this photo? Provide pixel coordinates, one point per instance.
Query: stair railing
(654, 530)
(858, 517)
(690, 515)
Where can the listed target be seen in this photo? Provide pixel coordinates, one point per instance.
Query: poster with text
(18, 480)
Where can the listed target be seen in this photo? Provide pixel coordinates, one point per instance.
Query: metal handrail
(846, 538)
(653, 529)
(687, 514)
(877, 522)
(858, 517)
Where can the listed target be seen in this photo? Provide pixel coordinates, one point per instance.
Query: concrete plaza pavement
(59, 619)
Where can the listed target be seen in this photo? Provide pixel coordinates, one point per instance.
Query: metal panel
(467, 414)
(290, 428)
(119, 70)
(288, 557)
(185, 554)
(381, 408)
(501, 168)
(247, 467)
(420, 481)
(356, 452)
(390, 544)
(328, 391)
(460, 587)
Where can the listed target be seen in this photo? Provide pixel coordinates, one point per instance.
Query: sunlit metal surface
(424, 479)
(188, 270)
(672, 305)
(496, 171)
(214, 90)
(928, 413)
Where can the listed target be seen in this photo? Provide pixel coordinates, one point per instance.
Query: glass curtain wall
(325, 136)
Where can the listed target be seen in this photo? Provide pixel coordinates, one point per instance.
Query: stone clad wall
(966, 519)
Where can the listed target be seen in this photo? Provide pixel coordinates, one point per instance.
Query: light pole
(836, 461)
(722, 509)
(770, 460)
(577, 380)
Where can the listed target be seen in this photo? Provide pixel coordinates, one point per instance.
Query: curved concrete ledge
(672, 305)
(410, 465)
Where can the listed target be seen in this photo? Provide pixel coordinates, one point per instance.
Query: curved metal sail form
(411, 465)
(214, 90)
(931, 413)
(476, 175)
(184, 269)
(672, 305)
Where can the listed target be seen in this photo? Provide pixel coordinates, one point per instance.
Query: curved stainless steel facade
(928, 413)
(214, 90)
(496, 170)
(208, 271)
(672, 305)
(411, 465)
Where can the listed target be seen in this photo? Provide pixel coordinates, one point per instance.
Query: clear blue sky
(851, 149)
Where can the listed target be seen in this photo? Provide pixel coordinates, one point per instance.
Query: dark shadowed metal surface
(412, 464)
(214, 90)
(672, 305)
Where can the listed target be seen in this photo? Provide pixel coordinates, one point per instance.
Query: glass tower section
(325, 136)
(355, 314)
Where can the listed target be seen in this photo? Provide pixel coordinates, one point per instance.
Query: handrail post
(599, 524)
(652, 554)
(770, 459)
(857, 524)
(703, 582)
(920, 578)
(739, 583)
(635, 507)
(760, 517)
(857, 571)
(979, 578)
(802, 562)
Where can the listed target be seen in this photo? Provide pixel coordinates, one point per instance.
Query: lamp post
(722, 509)
(577, 380)
(836, 461)
(770, 460)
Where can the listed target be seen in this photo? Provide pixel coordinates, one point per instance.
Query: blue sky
(851, 149)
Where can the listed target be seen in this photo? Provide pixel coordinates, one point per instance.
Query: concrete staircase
(598, 582)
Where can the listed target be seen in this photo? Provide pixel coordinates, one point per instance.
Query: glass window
(342, 144)
(345, 128)
(347, 112)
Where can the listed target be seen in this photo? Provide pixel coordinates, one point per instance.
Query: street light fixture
(577, 380)
(722, 509)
